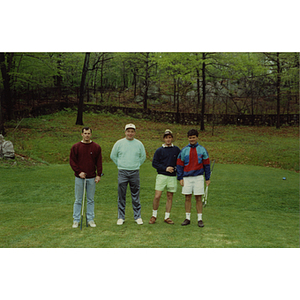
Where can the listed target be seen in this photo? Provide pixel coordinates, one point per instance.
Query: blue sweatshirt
(165, 157)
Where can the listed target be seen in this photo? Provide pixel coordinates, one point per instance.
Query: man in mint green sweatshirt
(128, 154)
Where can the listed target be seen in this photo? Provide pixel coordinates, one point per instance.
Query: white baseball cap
(168, 132)
(129, 126)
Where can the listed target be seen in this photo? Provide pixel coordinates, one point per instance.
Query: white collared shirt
(164, 146)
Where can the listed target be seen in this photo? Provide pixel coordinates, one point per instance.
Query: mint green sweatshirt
(128, 154)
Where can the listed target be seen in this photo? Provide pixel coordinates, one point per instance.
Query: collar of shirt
(86, 143)
(193, 146)
(164, 146)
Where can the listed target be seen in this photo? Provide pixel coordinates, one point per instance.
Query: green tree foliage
(175, 71)
(284, 71)
(199, 82)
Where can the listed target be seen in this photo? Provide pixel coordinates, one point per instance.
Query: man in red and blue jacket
(192, 165)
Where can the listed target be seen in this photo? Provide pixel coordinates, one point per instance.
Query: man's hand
(181, 182)
(82, 175)
(97, 179)
(170, 169)
(207, 182)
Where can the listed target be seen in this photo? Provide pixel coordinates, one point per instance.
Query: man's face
(168, 140)
(130, 133)
(86, 135)
(193, 139)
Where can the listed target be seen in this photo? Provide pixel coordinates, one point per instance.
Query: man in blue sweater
(164, 161)
(192, 163)
(128, 154)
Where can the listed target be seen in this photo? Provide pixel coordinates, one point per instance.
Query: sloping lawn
(248, 206)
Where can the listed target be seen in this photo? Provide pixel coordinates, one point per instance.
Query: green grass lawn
(248, 206)
(49, 139)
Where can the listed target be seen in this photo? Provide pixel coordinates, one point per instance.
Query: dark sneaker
(169, 221)
(186, 222)
(200, 223)
(152, 220)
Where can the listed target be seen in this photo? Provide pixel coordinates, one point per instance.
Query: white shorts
(193, 184)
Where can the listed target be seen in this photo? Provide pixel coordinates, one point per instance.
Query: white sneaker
(139, 221)
(75, 224)
(120, 222)
(92, 223)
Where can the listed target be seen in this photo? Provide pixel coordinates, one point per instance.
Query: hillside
(48, 139)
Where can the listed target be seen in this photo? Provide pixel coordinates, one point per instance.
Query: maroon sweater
(86, 158)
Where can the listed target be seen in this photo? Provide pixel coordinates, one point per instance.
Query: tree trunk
(134, 83)
(95, 82)
(124, 77)
(7, 101)
(203, 93)
(198, 90)
(278, 83)
(146, 97)
(213, 117)
(58, 78)
(79, 120)
(176, 100)
(2, 130)
(146, 82)
(101, 79)
(177, 108)
(174, 93)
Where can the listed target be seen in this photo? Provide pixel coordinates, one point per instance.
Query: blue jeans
(90, 192)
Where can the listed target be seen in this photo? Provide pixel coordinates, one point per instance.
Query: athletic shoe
(169, 221)
(186, 222)
(75, 224)
(120, 222)
(139, 221)
(152, 220)
(200, 223)
(92, 223)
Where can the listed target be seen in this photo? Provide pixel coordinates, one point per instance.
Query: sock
(188, 216)
(154, 214)
(199, 217)
(167, 215)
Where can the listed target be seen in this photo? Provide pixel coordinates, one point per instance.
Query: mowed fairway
(248, 206)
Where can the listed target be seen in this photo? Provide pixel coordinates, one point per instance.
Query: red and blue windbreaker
(193, 160)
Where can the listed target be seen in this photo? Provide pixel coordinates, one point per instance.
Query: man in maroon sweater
(86, 162)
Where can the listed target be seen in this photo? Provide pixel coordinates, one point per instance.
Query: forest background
(215, 87)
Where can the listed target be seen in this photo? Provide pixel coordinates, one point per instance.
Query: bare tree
(2, 130)
(5, 65)
(278, 83)
(79, 120)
